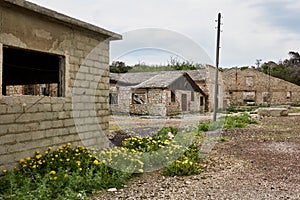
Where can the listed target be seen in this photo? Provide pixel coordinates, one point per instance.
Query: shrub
(203, 126)
(65, 173)
(239, 121)
(187, 164)
(167, 133)
(160, 151)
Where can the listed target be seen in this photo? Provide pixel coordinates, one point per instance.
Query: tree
(119, 67)
(288, 70)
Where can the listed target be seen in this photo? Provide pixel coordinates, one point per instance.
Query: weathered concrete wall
(267, 89)
(28, 123)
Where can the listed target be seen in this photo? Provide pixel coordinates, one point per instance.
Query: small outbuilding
(50, 65)
(155, 93)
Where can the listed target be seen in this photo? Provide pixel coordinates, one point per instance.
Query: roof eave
(63, 18)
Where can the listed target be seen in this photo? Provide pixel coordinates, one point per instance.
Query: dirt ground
(260, 162)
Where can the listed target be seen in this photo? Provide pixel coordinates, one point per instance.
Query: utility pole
(258, 63)
(217, 69)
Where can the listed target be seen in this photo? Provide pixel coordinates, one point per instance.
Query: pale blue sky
(254, 29)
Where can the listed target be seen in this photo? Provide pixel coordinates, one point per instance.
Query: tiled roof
(162, 77)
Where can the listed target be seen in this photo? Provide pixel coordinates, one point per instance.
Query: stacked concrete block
(81, 114)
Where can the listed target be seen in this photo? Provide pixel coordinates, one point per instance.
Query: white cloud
(251, 29)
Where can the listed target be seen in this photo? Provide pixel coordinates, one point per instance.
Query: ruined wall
(124, 99)
(267, 89)
(155, 103)
(210, 87)
(28, 123)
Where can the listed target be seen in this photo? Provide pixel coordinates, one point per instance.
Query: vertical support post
(61, 84)
(217, 70)
(1, 71)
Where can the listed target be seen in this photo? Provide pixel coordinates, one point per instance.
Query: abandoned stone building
(254, 87)
(54, 81)
(155, 93)
(205, 79)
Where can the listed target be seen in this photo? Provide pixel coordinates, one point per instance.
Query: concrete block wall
(30, 123)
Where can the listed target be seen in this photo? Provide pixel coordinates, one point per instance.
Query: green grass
(295, 109)
(230, 122)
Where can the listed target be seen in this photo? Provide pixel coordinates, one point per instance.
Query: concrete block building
(54, 81)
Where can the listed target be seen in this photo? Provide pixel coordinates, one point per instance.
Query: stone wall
(209, 86)
(124, 99)
(29, 123)
(266, 89)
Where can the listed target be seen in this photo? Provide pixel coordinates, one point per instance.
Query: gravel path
(260, 162)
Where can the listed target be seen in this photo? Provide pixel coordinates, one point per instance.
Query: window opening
(173, 97)
(113, 98)
(27, 72)
(192, 96)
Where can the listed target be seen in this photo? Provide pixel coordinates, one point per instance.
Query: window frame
(61, 71)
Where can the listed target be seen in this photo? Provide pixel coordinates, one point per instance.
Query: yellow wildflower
(141, 170)
(46, 152)
(96, 162)
(66, 176)
(22, 160)
(55, 178)
(53, 172)
(4, 171)
(80, 169)
(68, 144)
(49, 148)
(38, 152)
(28, 158)
(40, 162)
(33, 167)
(38, 156)
(78, 163)
(67, 159)
(56, 156)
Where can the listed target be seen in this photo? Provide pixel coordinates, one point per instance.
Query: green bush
(203, 126)
(75, 172)
(65, 173)
(185, 165)
(167, 133)
(239, 121)
(179, 159)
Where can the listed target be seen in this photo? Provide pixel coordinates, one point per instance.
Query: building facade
(155, 93)
(50, 65)
(205, 79)
(249, 86)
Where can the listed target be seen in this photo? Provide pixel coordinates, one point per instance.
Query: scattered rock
(112, 190)
(188, 182)
(273, 112)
